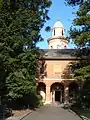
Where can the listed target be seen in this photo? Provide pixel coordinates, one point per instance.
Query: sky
(58, 11)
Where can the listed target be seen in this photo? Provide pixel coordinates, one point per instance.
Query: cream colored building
(58, 41)
(56, 83)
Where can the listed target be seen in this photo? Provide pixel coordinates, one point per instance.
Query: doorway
(57, 95)
(57, 92)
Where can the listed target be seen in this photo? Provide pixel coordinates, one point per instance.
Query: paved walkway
(52, 113)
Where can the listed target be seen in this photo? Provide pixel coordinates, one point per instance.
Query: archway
(73, 91)
(57, 92)
(41, 89)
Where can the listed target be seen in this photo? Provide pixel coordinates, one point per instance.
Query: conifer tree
(20, 25)
(80, 34)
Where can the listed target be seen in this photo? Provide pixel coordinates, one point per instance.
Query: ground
(19, 112)
(54, 112)
(84, 113)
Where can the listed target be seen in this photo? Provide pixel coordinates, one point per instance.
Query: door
(57, 96)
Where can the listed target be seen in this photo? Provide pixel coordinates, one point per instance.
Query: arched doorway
(57, 92)
(73, 91)
(41, 89)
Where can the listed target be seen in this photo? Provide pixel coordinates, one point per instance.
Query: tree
(80, 34)
(20, 25)
(80, 31)
(75, 2)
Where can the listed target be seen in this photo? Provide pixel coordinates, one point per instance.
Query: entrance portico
(57, 92)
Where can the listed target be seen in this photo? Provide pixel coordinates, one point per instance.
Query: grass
(85, 113)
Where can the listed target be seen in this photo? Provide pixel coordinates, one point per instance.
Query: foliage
(80, 34)
(85, 94)
(82, 73)
(75, 2)
(20, 25)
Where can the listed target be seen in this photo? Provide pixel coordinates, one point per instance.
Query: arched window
(54, 31)
(65, 46)
(62, 32)
(51, 47)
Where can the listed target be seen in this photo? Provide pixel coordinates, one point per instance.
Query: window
(54, 31)
(62, 32)
(51, 47)
(65, 46)
(42, 68)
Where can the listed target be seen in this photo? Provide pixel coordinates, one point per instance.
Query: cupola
(58, 29)
(58, 40)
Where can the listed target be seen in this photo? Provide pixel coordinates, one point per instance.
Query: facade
(56, 83)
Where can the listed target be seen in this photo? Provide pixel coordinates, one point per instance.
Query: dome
(58, 24)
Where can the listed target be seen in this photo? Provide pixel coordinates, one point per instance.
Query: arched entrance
(57, 92)
(73, 91)
(41, 89)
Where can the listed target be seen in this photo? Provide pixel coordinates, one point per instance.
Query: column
(53, 96)
(48, 95)
(66, 94)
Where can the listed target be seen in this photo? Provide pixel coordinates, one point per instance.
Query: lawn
(85, 113)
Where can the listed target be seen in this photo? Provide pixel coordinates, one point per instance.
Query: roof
(58, 24)
(65, 54)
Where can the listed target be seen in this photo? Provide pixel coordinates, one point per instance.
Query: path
(52, 113)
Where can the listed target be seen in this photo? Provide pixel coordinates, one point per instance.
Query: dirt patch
(20, 112)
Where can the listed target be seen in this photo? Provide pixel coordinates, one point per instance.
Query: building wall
(55, 68)
(57, 43)
(56, 71)
(57, 31)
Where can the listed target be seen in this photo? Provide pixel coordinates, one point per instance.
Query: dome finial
(58, 19)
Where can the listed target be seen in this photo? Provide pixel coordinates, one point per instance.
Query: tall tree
(80, 34)
(20, 25)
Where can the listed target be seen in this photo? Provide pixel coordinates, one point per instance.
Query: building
(56, 83)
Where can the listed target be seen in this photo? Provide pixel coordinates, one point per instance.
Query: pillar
(66, 94)
(48, 95)
(53, 96)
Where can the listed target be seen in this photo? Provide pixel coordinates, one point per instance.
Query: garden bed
(84, 114)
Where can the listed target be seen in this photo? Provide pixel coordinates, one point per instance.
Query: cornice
(63, 38)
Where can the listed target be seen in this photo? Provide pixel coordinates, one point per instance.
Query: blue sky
(57, 11)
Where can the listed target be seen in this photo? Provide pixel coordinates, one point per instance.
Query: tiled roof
(65, 53)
